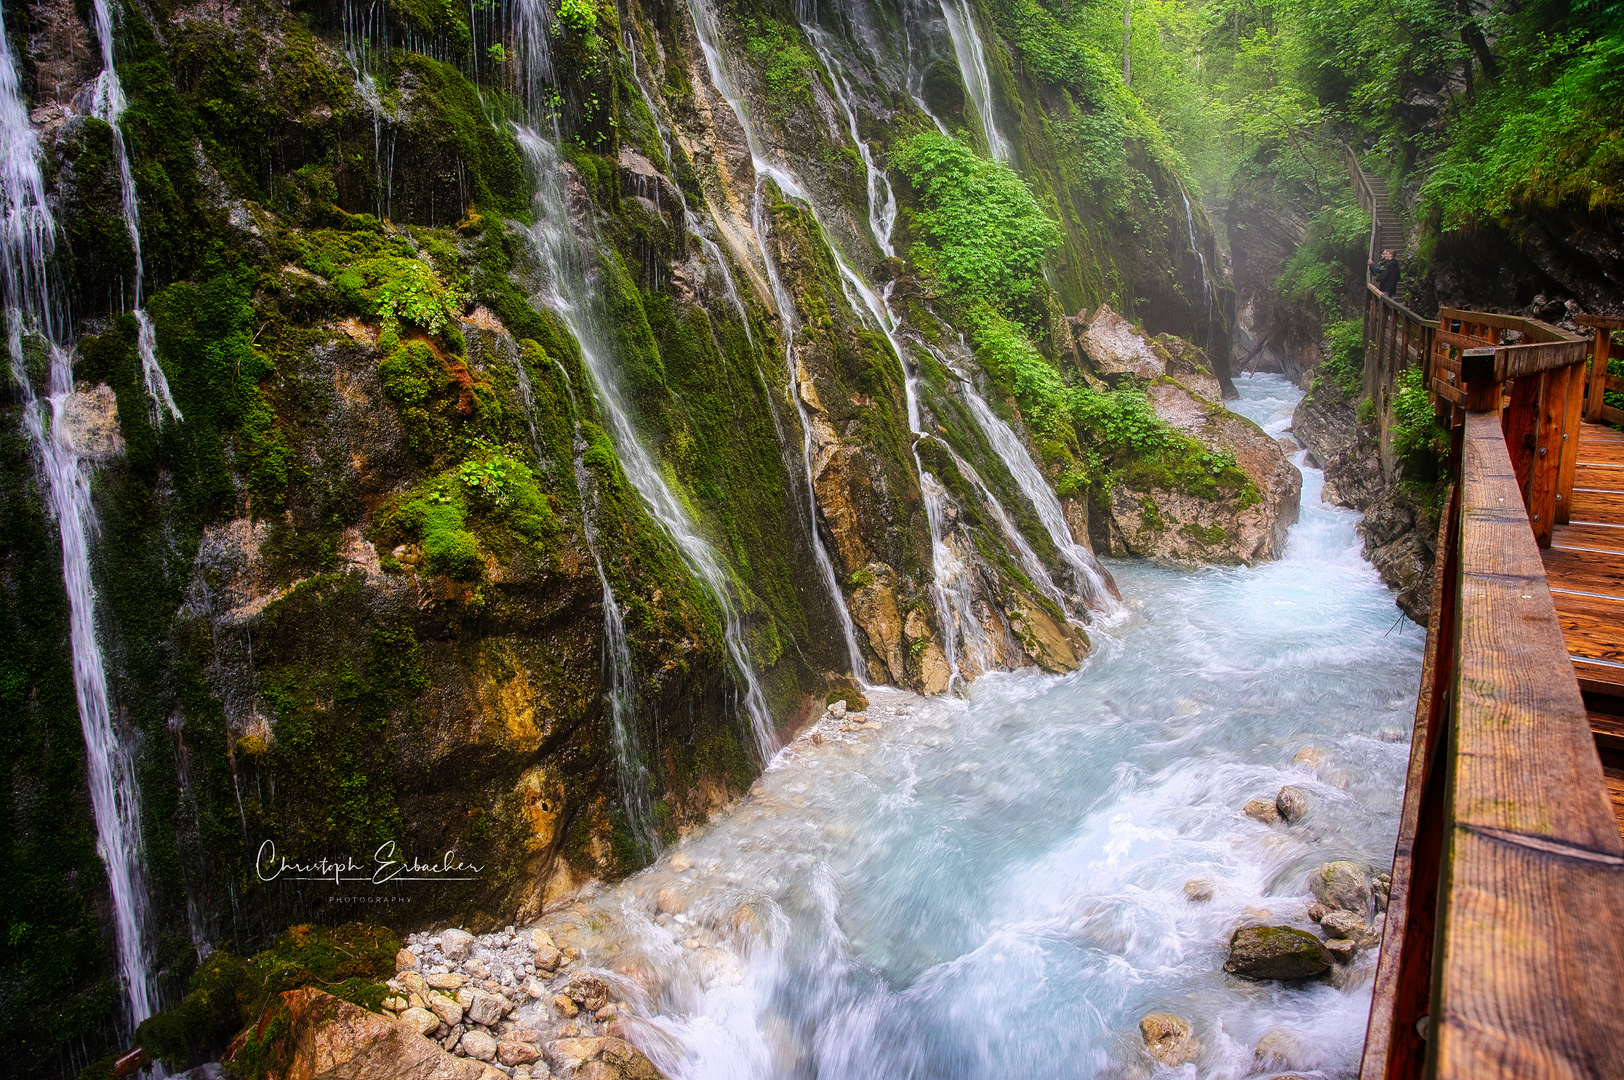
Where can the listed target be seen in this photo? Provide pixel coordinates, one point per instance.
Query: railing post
(1569, 465)
(1598, 374)
(1542, 490)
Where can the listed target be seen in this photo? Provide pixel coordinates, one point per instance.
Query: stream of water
(993, 887)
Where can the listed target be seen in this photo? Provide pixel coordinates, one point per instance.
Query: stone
(1344, 924)
(1341, 884)
(1197, 891)
(680, 863)
(624, 1062)
(465, 998)
(838, 708)
(492, 1073)
(1167, 1039)
(546, 957)
(1282, 1049)
(517, 1053)
(670, 900)
(1318, 911)
(541, 939)
(405, 960)
(477, 968)
(413, 983)
(445, 981)
(1275, 952)
(478, 1044)
(1292, 802)
(1341, 949)
(589, 991)
(572, 1053)
(455, 943)
(565, 1006)
(1263, 810)
(420, 1020)
(1314, 757)
(330, 1039)
(90, 419)
(488, 1009)
(535, 988)
(449, 1012)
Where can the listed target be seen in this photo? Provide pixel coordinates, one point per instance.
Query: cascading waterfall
(961, 25)
(570, 295)
(1206, 283)
(361, 27)
(107, 103)
(26, 246)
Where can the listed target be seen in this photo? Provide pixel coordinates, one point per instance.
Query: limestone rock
(413, 983)
(1263, 810)
(1341, 884)
(1168, 1039)
(1275, 952)
(405, 960)
(1282, 1049)
(488, 1009)
(455, 943)
(1344, 924)
(565, 1006)
(445, 980)
(1197, 891)
(589, 992)
(680, 862)
(1292, 802)
(478, 1044)
(1116, 348)
(330, 1039)
(670, 900)
(90, 418)
(449, 1012)
(420, 1020)
(1318, 911)
(1341, 949)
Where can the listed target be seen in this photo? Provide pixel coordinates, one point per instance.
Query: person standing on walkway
(1385, 273)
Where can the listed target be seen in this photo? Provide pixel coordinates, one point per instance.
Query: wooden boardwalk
(1585, 568)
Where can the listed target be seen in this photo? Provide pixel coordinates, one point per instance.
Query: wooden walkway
(1585, 568)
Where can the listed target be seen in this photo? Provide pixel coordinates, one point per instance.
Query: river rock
(445, 980)
(1263, 810)
(478, 1044)
(449, 1012)
(1292, 802)
(1318, 911)
(1197, 891)
(589, 992)
(1341, 884)
(1168, 1039)
(670, 900)
(1282, 1049)
(512, 1053)
(838, 708)
(420, 1020)
(565, 1006)
(330, 1039)
(405, 960)
(1341, 949)
(455, 943)
(413, 983)
(1344, 924)
(1275, 952)
(488, 1009)
(90, 418)
(680, 862)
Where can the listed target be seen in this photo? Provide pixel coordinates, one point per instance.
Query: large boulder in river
(1275, 952)
(330, 1039)
(1341, 884)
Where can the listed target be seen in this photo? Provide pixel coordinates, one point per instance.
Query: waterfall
(1206, 284)
(619, 677)
(961, 25)
(107, 104)
(26, 246)
(570, 295)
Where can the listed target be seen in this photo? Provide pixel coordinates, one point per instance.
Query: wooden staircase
(1386, 231)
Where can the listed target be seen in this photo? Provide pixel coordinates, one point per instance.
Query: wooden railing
(1503, 951)
(1541, 368)
(1396, 338)
(1596, 407)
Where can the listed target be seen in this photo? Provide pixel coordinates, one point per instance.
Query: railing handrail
(1431, 324)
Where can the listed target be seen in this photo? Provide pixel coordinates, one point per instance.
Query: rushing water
(993, 887)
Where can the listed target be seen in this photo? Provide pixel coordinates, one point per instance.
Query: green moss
(786, 68)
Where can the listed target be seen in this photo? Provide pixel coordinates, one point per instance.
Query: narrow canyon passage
(995, 887)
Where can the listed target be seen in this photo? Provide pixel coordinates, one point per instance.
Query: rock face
(331, 1039)
(605, 1058)
(1275, 952)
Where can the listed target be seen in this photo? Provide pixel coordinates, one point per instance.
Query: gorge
(507, 435)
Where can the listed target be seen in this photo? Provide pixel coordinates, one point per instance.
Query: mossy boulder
(1276, 952)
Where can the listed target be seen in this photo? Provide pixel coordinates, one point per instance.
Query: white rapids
(994, 887)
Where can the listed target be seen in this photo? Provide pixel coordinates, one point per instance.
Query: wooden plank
(1520, 423)
(1459, 340)
(1590, 635)
(1447, 392)
(1517, 361)
(1601, 353)
(1596, 477)
(1542, 493)
(1609, 322)
(1393, 1048)
(1532, 329)
(1611, 415)
(1615, 790)
(1608, 731)
(1582, 571)
(1591, 504)
(1398, 308)
(1596, 536)
(1530, 965)
(1598, 674)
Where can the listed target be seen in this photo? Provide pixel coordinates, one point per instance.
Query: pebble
(1197, 891)
(1341, 949)
(1344, 924)
(477, 1044)
(420, 1020)
(1292, 803)
(445, 981)
(405, 960)
(1168, 1040)
(455, 943)
(565, 1006)
(1263, 810)
(670, 900)
(1341, 884)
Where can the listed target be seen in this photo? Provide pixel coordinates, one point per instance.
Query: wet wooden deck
(1585, 568)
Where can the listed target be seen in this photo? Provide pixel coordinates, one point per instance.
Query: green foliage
(395, 290)
(988, 236)
(1344, 365)
(1418, 437)
(785, 66)
(1329, 266)
(577, 15)
(228, 993)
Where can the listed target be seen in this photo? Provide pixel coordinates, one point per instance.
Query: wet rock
(619, 1060)
(670, 900)
(488, 1009)
(1263, 810)
(1168, 1039)
(1318, 911)
(1391, 734)
(1341, 949)
(517, 1053)
(445, 980)
(413, 983)
(1197, 891)
(1282, 1049)
(1381, 887)
(449, 1012)
(478, 1044)
(1344, 924)
(1275, 952)
(565, 1006)
(1341, 884)
(589, 992)
(90, 418)
(329, 1039)
(1314, 757)
(405, 960)
(455, 943)
(838, 708)
(680, 862)
(1292, 802)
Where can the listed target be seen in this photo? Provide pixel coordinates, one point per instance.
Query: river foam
(993, 886)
